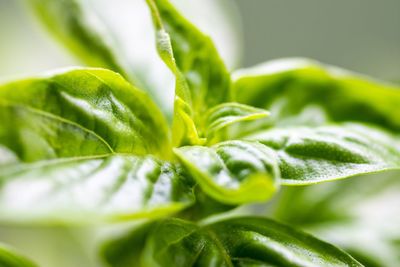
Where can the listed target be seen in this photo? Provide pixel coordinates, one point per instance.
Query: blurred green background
(361, 35)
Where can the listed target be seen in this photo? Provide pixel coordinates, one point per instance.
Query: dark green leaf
(304, 98)
(303, 92)
(247, 241)
(316, 154)
(233, 172)
(126, 250)
(204, 206)
(10, 258)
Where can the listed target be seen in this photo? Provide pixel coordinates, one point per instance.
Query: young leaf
(316, 154)
(202, 80)
(118, 35)
(71, 23)
(233, 172)
(79, 143)
(223, 115)
(247, 241)
(9, 258)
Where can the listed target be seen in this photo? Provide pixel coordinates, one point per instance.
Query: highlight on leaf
(96, 143)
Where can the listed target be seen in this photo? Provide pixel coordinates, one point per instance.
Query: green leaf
(202, 80)
(233, 172)
(247, 241)
(360, 215)
(305, 98)
(90, 190)
(304, 92)
(126, 250)
(226, 114)
(204, 207)
(10, 258)
(80, 112)
(316, 154)
(83, 145)
(75, 27)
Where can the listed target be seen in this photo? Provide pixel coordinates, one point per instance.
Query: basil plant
(88, 146)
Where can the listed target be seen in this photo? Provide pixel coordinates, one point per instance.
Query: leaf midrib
(57, 118)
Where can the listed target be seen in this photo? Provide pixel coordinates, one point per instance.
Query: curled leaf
(233, 172)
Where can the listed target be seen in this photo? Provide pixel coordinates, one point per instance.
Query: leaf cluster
(87, 146)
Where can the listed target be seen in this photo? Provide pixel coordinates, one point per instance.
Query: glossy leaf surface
(233, 172)
(316, 154)
(9, 258)
(304, 99)
(89, 190)
(79, 112)
(202, 80)
(247, 241)
(76, 146)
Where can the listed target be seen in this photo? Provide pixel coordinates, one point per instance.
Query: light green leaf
(80, 112)
(316, 154)
(233, 172)
(82, 146)
(304, 92)
(202, 80)
(247, 241)
(80, 31)
(90, 190)
(10, 258)
(360, 215)
(224, 115)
